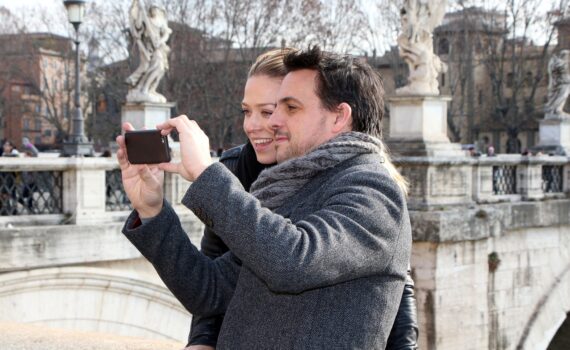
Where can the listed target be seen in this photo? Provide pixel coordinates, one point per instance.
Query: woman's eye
(266, 114)
(245, 112)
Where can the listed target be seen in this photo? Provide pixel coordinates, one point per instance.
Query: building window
(510, 80)
(38, 140)
(528, 78)
(101, 104)
(38, 109)
(47, 133)
(480, 97)
(26, 124)
(443, 46)
(400, 80)
(38, 125)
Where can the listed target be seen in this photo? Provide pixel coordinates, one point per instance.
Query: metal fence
(552, 176)
(31, 192)
(504, 179)
(115, 197)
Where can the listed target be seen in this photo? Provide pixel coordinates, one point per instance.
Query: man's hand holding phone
(194, 148)
(142, 182)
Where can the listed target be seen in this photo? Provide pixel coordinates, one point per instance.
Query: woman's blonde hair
(270, 63)
(400, 180)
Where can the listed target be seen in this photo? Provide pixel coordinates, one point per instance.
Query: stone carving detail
(558, 85)
(150, 31)
(415, 44)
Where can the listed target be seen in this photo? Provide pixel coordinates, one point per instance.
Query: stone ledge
(17, 336)
(29, 247)
(488, 220)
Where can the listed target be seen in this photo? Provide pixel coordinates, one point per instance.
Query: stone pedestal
(418, 127)
(146, 114)
(554, 132)
(84, 191)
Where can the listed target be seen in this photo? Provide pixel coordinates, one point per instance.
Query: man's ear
(343, 119)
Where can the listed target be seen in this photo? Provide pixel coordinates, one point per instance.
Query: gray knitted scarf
(276, 184)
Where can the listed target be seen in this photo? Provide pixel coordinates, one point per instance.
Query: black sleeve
(205, 330)
(404, 333)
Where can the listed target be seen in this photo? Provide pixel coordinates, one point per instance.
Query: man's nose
(276, 120)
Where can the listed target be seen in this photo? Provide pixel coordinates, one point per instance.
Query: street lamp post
(77, 144)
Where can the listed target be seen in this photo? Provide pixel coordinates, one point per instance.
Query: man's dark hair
(344, 79)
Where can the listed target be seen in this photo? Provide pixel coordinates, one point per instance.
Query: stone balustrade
(443, 182)
(68, 190)
(491, 242)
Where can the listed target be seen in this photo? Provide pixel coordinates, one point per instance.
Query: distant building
(36, 87)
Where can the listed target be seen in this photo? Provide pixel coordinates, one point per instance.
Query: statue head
(155, 11)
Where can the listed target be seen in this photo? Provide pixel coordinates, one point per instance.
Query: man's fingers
(181, 123)
(146, 175)
(128, 126)
(120, 141)
(122, 158)
(166, 131)
(169, 167)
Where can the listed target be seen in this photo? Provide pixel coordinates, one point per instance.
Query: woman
(9, 150)
(246, 162)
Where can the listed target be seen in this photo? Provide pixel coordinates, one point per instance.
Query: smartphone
(147, 147)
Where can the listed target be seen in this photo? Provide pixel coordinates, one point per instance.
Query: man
(319, 250)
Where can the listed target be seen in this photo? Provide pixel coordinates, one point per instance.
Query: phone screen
(147, 147)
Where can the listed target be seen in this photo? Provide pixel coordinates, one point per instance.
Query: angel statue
(558, 84)
(150, 32)
(415, 44)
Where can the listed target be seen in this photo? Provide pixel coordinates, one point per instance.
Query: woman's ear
(343, 120)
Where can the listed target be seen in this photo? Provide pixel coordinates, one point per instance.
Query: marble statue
(558, 84)
(415, 44)
(150, 32)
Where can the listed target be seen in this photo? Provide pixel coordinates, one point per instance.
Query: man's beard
(294, 149)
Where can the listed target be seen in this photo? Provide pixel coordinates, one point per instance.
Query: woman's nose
(253, 123)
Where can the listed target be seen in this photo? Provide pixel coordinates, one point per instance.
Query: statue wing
(436, 10)
(137, 17)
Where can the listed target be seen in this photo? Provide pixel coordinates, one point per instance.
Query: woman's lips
(262, 144)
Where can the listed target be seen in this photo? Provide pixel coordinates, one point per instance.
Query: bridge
(491, 252)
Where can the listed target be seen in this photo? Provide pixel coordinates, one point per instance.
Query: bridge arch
(93, 299)
(549, 314)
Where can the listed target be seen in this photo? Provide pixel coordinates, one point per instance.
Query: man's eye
(291, 107)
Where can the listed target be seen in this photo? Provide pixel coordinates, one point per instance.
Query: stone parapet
(487, 220)
(438, 183)
(85, 190)
(28, 247)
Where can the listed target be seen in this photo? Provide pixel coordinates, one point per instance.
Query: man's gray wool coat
(326, 270)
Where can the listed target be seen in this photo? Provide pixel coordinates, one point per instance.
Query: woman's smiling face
(258, 104)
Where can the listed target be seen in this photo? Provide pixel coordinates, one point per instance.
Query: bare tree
(497, 69)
